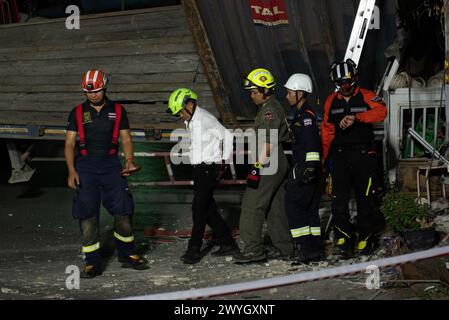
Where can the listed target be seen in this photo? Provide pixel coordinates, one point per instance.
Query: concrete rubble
(33, 263)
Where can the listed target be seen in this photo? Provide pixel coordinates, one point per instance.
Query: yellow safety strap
(341, 241)
(369, 186)
(347, 235)
(91, 248)
(124, 239)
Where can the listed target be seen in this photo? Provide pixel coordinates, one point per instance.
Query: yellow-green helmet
(259, 78)
(179, 98)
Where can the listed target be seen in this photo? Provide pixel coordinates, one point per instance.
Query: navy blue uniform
(303, 192)
(101, 181)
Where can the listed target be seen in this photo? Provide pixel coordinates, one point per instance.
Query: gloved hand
(309, 175)
(253, 178)
(221, 171)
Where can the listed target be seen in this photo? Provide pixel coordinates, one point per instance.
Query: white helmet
(299, 81)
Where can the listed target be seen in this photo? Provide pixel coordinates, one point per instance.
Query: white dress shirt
(206, 137)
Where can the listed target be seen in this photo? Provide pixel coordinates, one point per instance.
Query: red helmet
(94, 81)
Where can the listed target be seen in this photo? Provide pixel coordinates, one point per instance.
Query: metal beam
(199, 34)
(428, 147)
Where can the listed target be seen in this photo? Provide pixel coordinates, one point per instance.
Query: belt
(203, 164)
(354, 146)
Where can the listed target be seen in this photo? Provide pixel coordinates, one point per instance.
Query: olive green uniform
(268, 200)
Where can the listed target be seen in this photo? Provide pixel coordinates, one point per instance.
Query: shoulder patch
(307, 122)
(86, 117)
(268, 115)
(377, 99)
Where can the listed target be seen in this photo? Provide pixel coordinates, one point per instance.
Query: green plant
(402, 213)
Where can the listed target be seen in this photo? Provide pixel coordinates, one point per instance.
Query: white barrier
(222, 290)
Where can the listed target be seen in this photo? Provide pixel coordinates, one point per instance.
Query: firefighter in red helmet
(95, 172)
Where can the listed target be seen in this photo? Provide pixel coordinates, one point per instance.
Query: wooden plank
(158, 107)
(116, 88)
(127, 65)
(99, 17)
(114, 78)
(124, 35)
(70, 98)
(146, 56)
(137, 42)
(47, 119)
(51, 33)
(52, 115)
(67, 107)
(93, 26)
(106, 52)
(64, 107)
(196, 26)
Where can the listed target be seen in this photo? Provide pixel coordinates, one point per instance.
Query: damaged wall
(422, 23)
(317, 34)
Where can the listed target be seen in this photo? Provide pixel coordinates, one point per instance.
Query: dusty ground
(39, 240)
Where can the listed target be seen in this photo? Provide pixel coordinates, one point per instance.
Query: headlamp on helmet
(344, 74)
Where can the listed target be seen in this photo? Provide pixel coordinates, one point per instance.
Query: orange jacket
(367, 107)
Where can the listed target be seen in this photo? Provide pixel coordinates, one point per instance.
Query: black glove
(221, 171)
(253, 178)
(309, 175)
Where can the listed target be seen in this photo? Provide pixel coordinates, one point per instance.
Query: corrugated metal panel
(317, 34)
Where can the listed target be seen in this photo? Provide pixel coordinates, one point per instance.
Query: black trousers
(302, 205)
(204, 208)
(355, 167)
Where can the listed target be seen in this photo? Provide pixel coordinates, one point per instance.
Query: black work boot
(308, 252)
(344, 243)
(318, 243)
(249, 257)
(91, 271)
(274, 253)
(134, 261)
(306, 258)
(226, 249)
(343, 247)
(192, 255)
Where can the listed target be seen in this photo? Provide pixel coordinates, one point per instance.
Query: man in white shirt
(206, 155)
